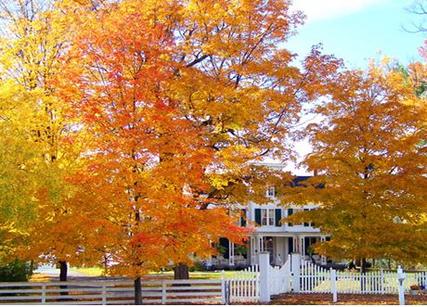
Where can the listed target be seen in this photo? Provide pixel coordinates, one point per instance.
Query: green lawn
(97, 271)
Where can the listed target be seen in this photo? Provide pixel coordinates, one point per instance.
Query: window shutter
(278, 217)
(291, 245)
(306, 224)
(243, 218)
(258, 216)
(223, 242)
(290, 212)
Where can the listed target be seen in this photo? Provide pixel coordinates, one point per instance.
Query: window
(271, 192)
(264, 217)
(308, 224)
(267, 217)
(271, 217)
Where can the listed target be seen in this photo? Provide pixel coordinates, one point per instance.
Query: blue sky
(357, 30)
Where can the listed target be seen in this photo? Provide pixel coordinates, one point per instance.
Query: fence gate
(280, 278)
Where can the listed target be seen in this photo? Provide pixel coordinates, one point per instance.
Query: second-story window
(309, 224)
(268, 217)
(264, 217)
(271, 217)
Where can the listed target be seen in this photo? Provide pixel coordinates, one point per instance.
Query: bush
(15, 271)
(198, 266)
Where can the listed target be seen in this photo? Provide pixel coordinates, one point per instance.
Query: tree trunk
(181, 272)
(31, 267)
(138, 291)
(363, 266)
(63, 269)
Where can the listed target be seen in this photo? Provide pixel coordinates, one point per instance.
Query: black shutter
(278, 217)
(291, 245)
(223, 242)
(258, 216)
(306, 224)
(307, 244)
(290, 212)
(243, 218)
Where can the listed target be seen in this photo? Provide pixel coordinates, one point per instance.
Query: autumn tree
(116, 83)
(182, 101)
(33, 42)
(371, 163)
(241, 87)
(17, 180)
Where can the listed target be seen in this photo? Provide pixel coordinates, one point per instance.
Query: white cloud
(327, 9)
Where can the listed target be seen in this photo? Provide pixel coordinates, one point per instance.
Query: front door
(268, 247)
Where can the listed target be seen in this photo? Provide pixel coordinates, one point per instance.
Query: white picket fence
(205, 291)
(253, 285)
(315, 279)
(243, 286)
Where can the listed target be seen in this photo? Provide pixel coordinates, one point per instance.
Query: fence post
(104, 295)
(296, 272)
(264, 270)
(163, 292)
(334, 285)
(400, 278)
(223, 289)
(43, 294)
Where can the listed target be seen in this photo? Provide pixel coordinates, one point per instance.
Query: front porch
(280, 246)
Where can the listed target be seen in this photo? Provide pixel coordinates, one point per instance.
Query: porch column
(323, 258)
(296, 244)
(253, 250)
(302, 246)
(257, 248)
(231, 253)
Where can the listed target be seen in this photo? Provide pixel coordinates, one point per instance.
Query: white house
(273, 236)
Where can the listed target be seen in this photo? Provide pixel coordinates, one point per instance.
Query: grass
(92, 271)
(97, 272)
(197, 274)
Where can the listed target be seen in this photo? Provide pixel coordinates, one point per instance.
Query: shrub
(15, 271)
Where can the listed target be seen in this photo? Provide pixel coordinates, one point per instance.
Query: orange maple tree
(181, 98)
(175, 102)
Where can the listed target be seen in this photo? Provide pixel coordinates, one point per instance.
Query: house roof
(298, 181)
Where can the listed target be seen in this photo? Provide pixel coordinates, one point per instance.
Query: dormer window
(271, 192)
